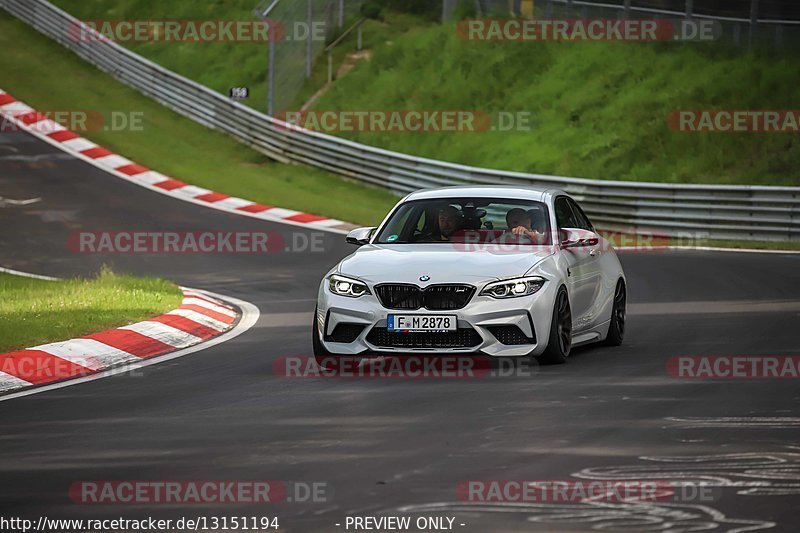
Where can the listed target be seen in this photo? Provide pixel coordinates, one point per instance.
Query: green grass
(218, 65)
(48, 77)
(600, 109)
(375, 35)
(222, 65)
(743, 245)
(34, 312)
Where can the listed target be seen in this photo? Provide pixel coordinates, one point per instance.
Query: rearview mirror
(360, 236)
(577, 238)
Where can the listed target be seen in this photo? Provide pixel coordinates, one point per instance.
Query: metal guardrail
(716, 211)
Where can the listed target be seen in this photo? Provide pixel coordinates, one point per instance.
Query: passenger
(519, 223)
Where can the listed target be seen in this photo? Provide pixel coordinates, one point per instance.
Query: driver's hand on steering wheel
(522, 230)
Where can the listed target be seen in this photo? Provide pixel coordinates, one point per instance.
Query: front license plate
(422, 322)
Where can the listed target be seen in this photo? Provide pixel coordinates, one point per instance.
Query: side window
(565, 218)
(580, 216)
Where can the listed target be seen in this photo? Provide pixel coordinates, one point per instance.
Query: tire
(560, 340)
(616, 328)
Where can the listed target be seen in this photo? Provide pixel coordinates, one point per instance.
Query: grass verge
(49, 77)
(744, 245)
(596, 109)
(34, 311)
(648, 242)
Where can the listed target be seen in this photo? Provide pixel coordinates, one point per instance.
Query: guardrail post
(689, 8)
(341, 14)
(627, 8)
(330, 66)
(753, 22)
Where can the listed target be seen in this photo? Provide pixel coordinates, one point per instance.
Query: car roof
(490, 191)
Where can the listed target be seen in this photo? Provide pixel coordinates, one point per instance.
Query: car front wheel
(616, 329)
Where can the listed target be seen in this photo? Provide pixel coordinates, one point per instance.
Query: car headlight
(513, 288)
(347, 286)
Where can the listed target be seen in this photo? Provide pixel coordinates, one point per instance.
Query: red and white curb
(203, 320)
(28, 119)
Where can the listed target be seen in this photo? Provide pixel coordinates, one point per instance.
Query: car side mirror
(360, 236)
(578, 238)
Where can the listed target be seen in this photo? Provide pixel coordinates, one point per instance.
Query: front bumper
(483, 314)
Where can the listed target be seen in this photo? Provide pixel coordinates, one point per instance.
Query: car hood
(443, 263)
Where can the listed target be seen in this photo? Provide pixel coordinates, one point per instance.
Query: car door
(583, 267)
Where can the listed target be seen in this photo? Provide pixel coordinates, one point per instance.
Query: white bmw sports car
(500, 271)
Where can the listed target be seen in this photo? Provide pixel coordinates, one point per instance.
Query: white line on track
(27, 274)
(709, 249)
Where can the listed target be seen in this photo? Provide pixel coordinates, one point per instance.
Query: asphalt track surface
(399, 446)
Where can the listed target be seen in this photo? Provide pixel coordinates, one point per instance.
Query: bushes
(372, 9)
(429, 9)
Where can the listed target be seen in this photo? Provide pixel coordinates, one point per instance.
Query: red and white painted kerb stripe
(199, 318)
(28, 119)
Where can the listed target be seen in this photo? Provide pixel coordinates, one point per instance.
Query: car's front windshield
(468, 220)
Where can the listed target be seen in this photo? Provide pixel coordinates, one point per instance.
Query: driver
(519, 223)
(450, 221)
